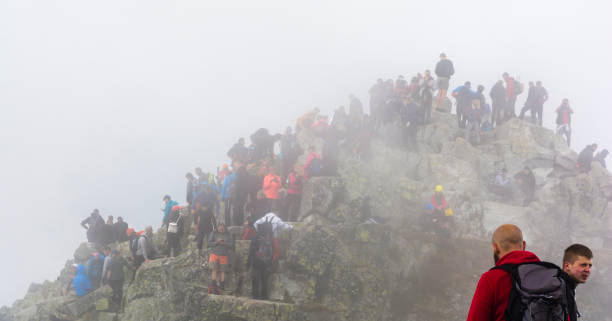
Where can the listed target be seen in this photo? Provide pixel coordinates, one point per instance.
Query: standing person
(239, 151)
(464, 96)
(527, 182)
(192, 186)
(313, 164)
(119, 229)
(147, 250)
(174, 232)
(295, 183)
(110, 220)
(498, 102)
(275, 221)
(564, 120)
(221, 243)
(444, 71)
(204, 224)
(493, 290)
(107, 257)
(427, 86)
(168, 205)
(93, 224)
(94, 270)
(290, 151)
(577, 264)
(541, 98)
(473, 119)
(116, 276)
(228, 195)
(531, 104)
(263, 254)
(601, 157)
(585, 158)
(513, 89)
(271, 186)
(133, 241)
(80, 282)
(242, 192)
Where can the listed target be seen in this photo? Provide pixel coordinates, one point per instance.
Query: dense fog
(107, 104)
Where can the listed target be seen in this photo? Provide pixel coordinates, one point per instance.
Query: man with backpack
(115, 275)
(94, 270)
(263, 254)
(221, 243)
(520, 287)
(313, 164)
(147, 250)
(275, 221)
(133, 241)
(513, 89)
(577, 264)
(174, 232)
(464, 96)
(168, 205)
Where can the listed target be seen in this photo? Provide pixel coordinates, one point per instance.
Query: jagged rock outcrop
(339, 263)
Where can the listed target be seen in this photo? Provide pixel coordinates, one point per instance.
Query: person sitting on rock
(502, 185)
(115, 275)
(94, 270)
(313, 165)
(277, 223)
(263, 254)
(585, 158)
(438, 200)
(81, 283)
(174, 232)
(221, 243)
(601, 157)
(147, 250)
(527, 182)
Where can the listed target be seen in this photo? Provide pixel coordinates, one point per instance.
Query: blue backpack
(316, 167)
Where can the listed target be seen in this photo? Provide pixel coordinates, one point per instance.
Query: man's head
(111, 218)
(468, 84)
(442, 56)
(189, 176)
(594, 147)
(119, 219)
(577, 262)
(221, 227)
(507, 238)
(198, 171)
(106, 250)
(506, 76)
(241, 141)
(539, 83)
(480, 88)
(166, 198)
(149, 231)
(427, 73)
(531, 84)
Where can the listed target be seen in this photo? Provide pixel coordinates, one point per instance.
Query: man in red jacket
(491, 297)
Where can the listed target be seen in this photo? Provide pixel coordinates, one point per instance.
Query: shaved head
(507, 238)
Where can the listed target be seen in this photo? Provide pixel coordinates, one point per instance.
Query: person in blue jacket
(169, 205)
(81, 282)
(464, 96)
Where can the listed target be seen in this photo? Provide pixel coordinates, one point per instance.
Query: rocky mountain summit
(359, 251)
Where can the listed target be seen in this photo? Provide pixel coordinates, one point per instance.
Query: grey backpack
(538, 292)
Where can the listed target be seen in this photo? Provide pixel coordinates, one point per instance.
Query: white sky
(108, 103)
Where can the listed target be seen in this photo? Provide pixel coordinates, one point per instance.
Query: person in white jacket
(277, 223)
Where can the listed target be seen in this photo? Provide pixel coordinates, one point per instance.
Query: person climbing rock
(174, 232)
(444, 71)
(493, 290)
(221, 243)
(313, 165)
(585, 158)
(577, 264)
(276, 222)
(204, 224)
(295, 184)
(531, 104)
(527, 182)
(147, 250)
(116, 275)
(168, 205)
(263, 255)
(564, 121)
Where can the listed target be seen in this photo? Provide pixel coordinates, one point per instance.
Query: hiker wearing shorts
(220, 242)
(444, 71)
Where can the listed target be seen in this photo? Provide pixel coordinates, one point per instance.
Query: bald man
(491, 297)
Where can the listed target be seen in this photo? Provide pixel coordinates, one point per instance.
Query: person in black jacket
(498, 102)
(94, 224)
(531, 104)
(577, 264)
(444, 70)
(119, 229)
(585, 158)
(174, 231)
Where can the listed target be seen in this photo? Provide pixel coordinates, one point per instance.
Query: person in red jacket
(271, 186)
(493, 290)
(294, 195)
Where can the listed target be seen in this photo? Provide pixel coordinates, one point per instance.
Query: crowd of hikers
(261, 189)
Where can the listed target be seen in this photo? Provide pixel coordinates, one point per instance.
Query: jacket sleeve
(482, 302)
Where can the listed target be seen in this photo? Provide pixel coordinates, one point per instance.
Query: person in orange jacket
(271, 185)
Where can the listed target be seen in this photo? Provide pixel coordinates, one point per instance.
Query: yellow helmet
(439, 188)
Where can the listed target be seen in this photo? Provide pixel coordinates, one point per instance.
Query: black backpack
(539, 292)
(265, 252)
